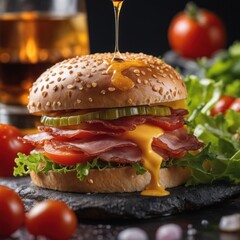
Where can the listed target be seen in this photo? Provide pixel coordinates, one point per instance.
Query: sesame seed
(44, 94)
(47, 80)
(62, 87)
(51, 82)
(136, 71)
(139, 80)
(143, 73)
(89, 85)
(39, 105)
(145, 82)
(79, 74)
(71, 72)
(103, 92)
(59, 104)
(89, 75)
(69, 67)
(90, 181)
(54, 74)
(35, 90)
(79, 101)
(71, 86)
(94, 84)
(77, 79)
(154, 88)
(48, 104)
(61, 72)
(90, 99)
(55, 88)
(130, 100)
(42, 87)
(80, 88)
(59, 79)
(161, 90)
(154, 76)
(47, 86)
(111, 89)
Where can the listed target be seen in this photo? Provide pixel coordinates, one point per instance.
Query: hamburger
(108, 126)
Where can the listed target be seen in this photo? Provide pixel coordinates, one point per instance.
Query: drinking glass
(35, 34)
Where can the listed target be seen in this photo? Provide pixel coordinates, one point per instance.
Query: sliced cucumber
(107, 114)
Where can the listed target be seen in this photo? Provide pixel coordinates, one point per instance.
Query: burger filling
(143, 137)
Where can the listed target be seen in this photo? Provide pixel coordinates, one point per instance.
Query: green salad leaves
(220, 159)
(38, 163)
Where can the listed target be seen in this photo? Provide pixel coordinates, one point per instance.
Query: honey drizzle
(117, 5)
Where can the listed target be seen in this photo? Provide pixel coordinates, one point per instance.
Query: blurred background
(144, 23)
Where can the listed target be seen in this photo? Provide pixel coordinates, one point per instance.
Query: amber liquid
(30, 43)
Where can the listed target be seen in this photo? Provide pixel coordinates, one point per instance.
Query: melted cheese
(176, 104)
(118, 79)
(143, 135)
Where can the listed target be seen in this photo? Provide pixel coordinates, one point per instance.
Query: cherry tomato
(222, 105)
(196, 33)
(10, 146)
(64, 157)
(12, 213)
(236, 105)
(52, 219)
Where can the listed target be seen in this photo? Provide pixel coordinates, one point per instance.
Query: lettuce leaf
(39, 163)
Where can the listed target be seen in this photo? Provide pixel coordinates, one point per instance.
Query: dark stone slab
(126, 205)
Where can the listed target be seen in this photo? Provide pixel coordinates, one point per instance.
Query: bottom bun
(109, 180)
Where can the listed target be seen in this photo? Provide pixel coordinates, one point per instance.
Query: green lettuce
(39, 163)
(220, 159)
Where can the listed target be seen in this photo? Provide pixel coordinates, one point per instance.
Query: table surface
(205, 221)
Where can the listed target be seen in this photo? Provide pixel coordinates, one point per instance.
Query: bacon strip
(93, 146)
(175, 143)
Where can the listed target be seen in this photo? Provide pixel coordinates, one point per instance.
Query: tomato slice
(66, 156)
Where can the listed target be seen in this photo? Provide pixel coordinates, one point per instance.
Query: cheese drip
(143, 135)
(118, 79)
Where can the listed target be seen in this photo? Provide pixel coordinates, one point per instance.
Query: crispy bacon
(175, 143)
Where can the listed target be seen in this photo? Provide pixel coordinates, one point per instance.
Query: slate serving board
(126, 205)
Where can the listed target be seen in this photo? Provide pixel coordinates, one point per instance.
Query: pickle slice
(107, 114)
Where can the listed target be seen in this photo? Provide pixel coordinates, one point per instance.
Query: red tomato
(64, 157)
(196, 33)
(236, 105)
(10, 146)
(12, 213)
(222, 105)
(52, 219)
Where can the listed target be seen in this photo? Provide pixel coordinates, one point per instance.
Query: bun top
(84, 83)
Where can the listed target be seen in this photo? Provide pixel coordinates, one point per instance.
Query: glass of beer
(35, 34)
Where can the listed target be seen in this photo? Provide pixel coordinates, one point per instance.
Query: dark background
(144, 23)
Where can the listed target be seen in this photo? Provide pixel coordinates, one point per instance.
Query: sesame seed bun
(82, 83)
